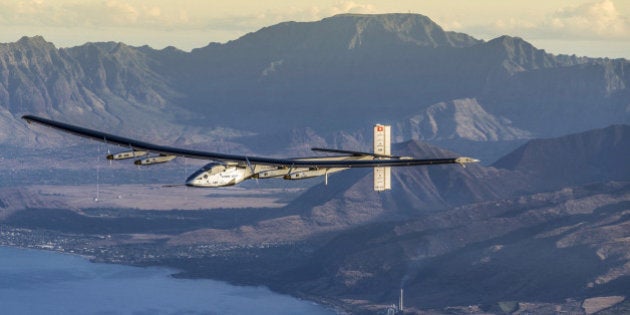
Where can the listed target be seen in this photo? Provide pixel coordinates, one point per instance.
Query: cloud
(349, 7)
(160, 15)
(313, 13)
(123, 13)
(588, 21)
(99, 14)
(599, 19)
(253, 21)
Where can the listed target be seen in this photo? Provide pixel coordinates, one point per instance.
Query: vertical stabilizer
(382, 145)
(401, 302)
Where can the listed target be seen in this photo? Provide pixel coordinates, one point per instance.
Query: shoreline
(173, 272)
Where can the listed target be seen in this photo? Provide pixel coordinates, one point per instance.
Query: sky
(594, 28)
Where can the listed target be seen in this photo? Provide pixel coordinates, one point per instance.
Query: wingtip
(28, 118)
(34, 119)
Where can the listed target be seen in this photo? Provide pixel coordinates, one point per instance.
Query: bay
(44, 282)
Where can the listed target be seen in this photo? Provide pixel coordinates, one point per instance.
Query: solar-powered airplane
(228, 169)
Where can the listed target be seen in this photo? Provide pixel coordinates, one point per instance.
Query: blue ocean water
(42, 282)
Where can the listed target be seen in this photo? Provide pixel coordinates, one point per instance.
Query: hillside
(573, 160)
(542, 248)
(570, 240)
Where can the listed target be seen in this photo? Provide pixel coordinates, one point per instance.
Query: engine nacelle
(155, 160)
(218, 175)
(271, 173)
(306, 174)
(126, 155)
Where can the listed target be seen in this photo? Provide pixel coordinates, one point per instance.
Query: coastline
(139, 283)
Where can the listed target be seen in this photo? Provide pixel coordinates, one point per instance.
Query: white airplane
(228, 170)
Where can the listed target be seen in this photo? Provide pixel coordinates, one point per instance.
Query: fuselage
(218, 174)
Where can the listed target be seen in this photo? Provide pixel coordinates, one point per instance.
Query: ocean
(44, 282)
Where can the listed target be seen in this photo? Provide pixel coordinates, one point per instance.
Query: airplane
(228, 169)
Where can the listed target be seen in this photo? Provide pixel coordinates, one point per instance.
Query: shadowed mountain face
(573, 160)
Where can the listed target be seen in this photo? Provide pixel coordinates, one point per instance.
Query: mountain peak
(353, 32)
(413, 29)
(507, 39)
(407, 28)
(513, 45)
(518, 55)
(35, 41)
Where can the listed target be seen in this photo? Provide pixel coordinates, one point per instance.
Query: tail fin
(382, 145)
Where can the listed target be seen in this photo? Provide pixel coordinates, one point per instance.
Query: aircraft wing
(244, 159)
(359, 153)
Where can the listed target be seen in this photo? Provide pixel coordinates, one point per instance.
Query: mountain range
(399, 69)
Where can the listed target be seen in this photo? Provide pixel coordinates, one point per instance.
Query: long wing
(204, 155)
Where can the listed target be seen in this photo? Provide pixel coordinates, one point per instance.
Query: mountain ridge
(389, 67)
(597, 153)
(348, 32)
